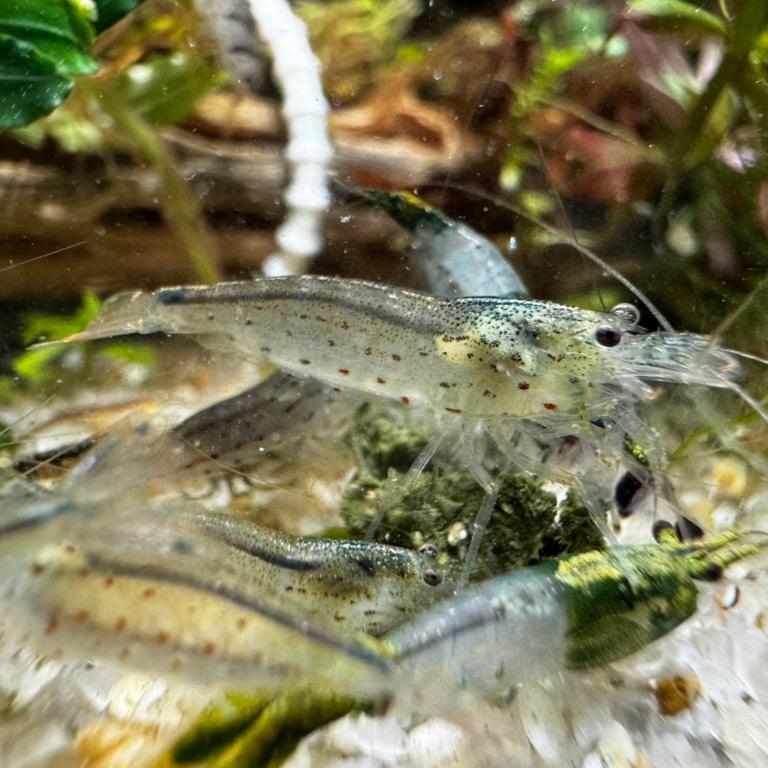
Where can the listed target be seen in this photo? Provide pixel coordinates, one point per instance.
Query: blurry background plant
(641, 125)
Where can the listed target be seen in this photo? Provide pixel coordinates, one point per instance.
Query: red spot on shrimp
(397, 358)
(53, 624)
(177, 665)
(163, 637)
(149, 593)
(81, 617)
(241, 624)
(209, 649)
(523, 385)
(125, 653)
(83, 572)
(344, 371)
(120, 624)
(379, 380)
(550, 406)
(108, 582)
(69, 548)
(37, 569)
(405, 400)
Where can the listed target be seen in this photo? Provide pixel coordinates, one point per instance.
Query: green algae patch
(576, 531)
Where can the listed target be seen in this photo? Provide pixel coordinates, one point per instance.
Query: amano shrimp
(174, 590)
(576, 613)
(503, 377)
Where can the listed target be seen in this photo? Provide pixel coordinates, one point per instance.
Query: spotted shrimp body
(479, 357)
(576, 612)
(505, 377)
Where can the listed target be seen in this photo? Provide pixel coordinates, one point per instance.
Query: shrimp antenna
(746, 355)
(590, 254)
(730, 319)
(561, 206)
(748, 399)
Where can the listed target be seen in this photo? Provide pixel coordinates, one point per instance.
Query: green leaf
(111, 11)
(164, 89)
(140, 354)
(56, 28)
(749, 24)
(33, 363)
(41, 325)
(676, 16)
(30, 85)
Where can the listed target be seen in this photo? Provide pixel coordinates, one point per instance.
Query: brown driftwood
(115, 206)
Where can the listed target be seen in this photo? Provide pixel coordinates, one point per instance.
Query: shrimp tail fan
(122, 314)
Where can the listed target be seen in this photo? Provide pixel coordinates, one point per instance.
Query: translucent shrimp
(455, 260)
(169, 587)
(504, 376)
(577, 612)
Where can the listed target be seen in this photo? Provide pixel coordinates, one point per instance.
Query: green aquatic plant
(354, 38)
(44, 46)
(38, 366)
(245, 730)
(33, 365)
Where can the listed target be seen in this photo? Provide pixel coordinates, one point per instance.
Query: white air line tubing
(309, 150)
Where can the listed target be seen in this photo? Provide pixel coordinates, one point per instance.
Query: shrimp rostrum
(503, 377)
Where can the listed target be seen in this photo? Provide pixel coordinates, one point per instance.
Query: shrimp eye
(628, 312)
(433, 578)
(713, 572)
(428, 550)
(608, 337)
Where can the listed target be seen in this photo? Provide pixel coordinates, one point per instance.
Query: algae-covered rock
(440, 505)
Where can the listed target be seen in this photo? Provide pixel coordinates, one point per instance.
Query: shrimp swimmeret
(519, 372)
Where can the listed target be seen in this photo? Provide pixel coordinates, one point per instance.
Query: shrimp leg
(396, 495)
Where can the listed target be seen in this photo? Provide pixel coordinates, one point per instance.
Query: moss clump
(576, 531)
(441, 503)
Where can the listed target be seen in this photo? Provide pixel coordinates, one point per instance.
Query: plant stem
(180, 206)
